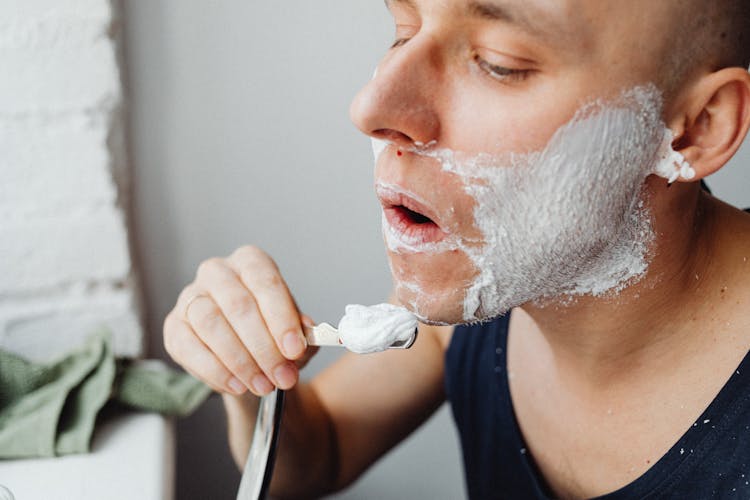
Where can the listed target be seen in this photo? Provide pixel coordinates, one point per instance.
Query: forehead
(560, 20)
(620, 41)
(532, 14)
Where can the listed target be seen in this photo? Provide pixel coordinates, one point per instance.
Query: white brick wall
(65, 267)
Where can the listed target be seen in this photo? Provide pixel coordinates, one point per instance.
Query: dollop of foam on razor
(367, 329)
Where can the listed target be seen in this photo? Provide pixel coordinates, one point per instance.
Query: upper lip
(393, 195)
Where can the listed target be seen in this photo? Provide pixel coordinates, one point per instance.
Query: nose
(399, 104)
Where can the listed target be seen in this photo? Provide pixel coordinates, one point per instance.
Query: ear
(713, 120)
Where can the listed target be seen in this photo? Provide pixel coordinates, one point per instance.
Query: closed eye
(399, 42)
(501, 73)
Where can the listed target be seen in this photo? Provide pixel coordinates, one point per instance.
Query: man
(538, 162)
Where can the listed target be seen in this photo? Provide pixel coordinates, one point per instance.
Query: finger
(243, 315)
(260, 275)
(311, 351)
(210, 325)
(306, 320)
(309, 354)
(187, 296)
(184, 346)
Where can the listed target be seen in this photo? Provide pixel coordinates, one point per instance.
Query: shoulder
(731, 263)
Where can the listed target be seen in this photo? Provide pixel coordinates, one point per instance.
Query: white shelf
(132, 458)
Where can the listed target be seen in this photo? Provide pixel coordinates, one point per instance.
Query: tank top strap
(495, 461)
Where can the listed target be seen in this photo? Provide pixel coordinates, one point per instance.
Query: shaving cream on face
(370, 329)
(671, 165)
(568, 220)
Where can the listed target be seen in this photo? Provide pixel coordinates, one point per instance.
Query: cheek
(461, 205)
(499, 122)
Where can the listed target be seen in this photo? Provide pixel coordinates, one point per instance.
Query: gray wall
(240, 134)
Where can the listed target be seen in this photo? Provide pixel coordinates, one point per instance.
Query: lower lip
(408, 229)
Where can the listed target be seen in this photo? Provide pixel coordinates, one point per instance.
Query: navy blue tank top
(711, 460)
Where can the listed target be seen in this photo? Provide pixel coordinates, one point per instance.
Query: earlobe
(715, 121)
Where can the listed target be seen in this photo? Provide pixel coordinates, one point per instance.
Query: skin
(630, 372)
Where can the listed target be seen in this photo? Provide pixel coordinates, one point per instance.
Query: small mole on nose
(399, 153)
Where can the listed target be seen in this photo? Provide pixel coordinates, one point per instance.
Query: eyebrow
(498, 12)
(503, 12)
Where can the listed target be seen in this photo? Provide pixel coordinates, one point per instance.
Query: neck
(601, 338)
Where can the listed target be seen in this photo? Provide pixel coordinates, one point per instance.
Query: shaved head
(710, 35)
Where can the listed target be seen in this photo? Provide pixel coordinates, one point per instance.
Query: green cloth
(50, 409)
(150, 385)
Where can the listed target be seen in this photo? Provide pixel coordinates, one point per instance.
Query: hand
(237, 327)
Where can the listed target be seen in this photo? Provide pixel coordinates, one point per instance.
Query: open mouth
(412, 226)
(412, 216)
(409, 219)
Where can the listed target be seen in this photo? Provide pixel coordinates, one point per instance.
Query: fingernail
(285, 375)
(261, 385)
(236, 386)
(293, 344)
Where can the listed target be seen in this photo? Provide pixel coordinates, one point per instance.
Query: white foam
(671, 165)
(367, 329)
(568, 220)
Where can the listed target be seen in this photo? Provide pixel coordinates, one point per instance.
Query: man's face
(491, 78)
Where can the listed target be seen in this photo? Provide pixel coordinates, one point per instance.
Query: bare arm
(232, 329)
(346, 418)
(375, 401)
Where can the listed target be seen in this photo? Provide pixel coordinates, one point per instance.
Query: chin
(430, 308)
(433, 286)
